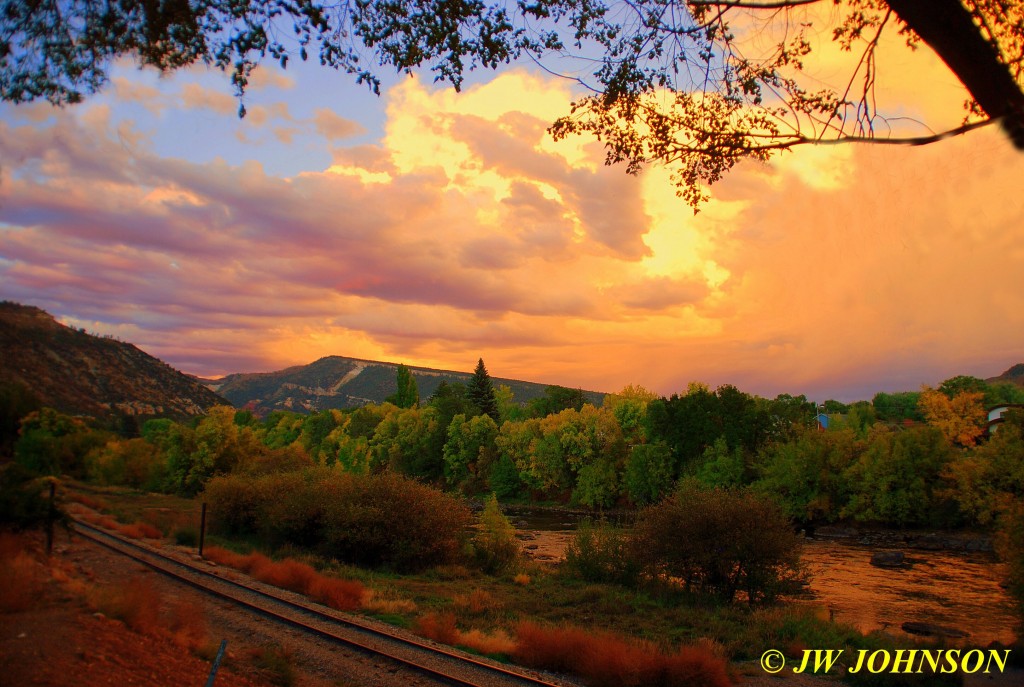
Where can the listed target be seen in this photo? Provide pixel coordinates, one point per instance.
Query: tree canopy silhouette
(670, 81)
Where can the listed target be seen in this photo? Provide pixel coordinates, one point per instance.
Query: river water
(953, 589)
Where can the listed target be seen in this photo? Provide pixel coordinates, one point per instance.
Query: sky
(433, 228)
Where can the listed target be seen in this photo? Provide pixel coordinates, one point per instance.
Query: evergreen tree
(481, 392)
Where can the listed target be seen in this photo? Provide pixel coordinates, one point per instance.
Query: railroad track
(437, 664)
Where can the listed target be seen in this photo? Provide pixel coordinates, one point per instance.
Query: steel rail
(104, 538)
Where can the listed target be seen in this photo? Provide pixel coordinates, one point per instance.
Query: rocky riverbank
(907, 539)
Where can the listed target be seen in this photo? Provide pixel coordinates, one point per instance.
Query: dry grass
(275, 663)
(496, 642)
(88, 501)
(388, 604)
(187, 626)
(140, 530)
(476, 602)
(608, 660)
(301, 578)
(19, 575)
(522, 579)
(136, 603)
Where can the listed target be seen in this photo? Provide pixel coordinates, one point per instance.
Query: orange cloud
(467, 232)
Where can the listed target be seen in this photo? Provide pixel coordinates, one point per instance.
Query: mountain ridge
(342, 382)
(82, 374)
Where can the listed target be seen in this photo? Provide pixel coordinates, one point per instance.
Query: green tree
(314, 431)
(470, 452)
(51, 443)
(515, 443)
(408, 394)
(897, 407)
(806, 474)
(480, 392)
(555, 400)
(669, 83)
(722, 467)
(508, 407)
(989, 479)
(650, 473)
(131, 462)
(402, 442)
(896, 479)
(504, 478)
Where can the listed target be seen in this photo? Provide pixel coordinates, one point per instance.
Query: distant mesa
(340, 382)
(82, 374)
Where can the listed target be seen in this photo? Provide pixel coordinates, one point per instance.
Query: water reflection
(952, 589)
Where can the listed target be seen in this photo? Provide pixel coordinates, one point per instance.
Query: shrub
(495, 545)
(719, 542)
(342, 595)
(286, 574)
(372, 520)
(440, 627)
(601, 554)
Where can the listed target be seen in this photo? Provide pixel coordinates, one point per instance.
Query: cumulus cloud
(196, 96)
(333, 127)
(466, 232)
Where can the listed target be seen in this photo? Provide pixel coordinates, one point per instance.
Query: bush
(495, 545)
(439, 627)
(381, 520)
(719, 542)
(601, 554)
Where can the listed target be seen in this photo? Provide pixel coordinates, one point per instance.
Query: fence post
(216, 661)
(50, 515)
(202, 530)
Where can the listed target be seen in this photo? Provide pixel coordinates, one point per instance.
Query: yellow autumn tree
(961, 419)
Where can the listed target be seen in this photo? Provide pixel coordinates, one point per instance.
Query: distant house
(822, 419)
(995, 414)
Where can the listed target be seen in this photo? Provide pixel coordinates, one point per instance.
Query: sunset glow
(432, 228)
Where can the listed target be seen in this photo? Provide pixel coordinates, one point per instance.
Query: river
(953, 589)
